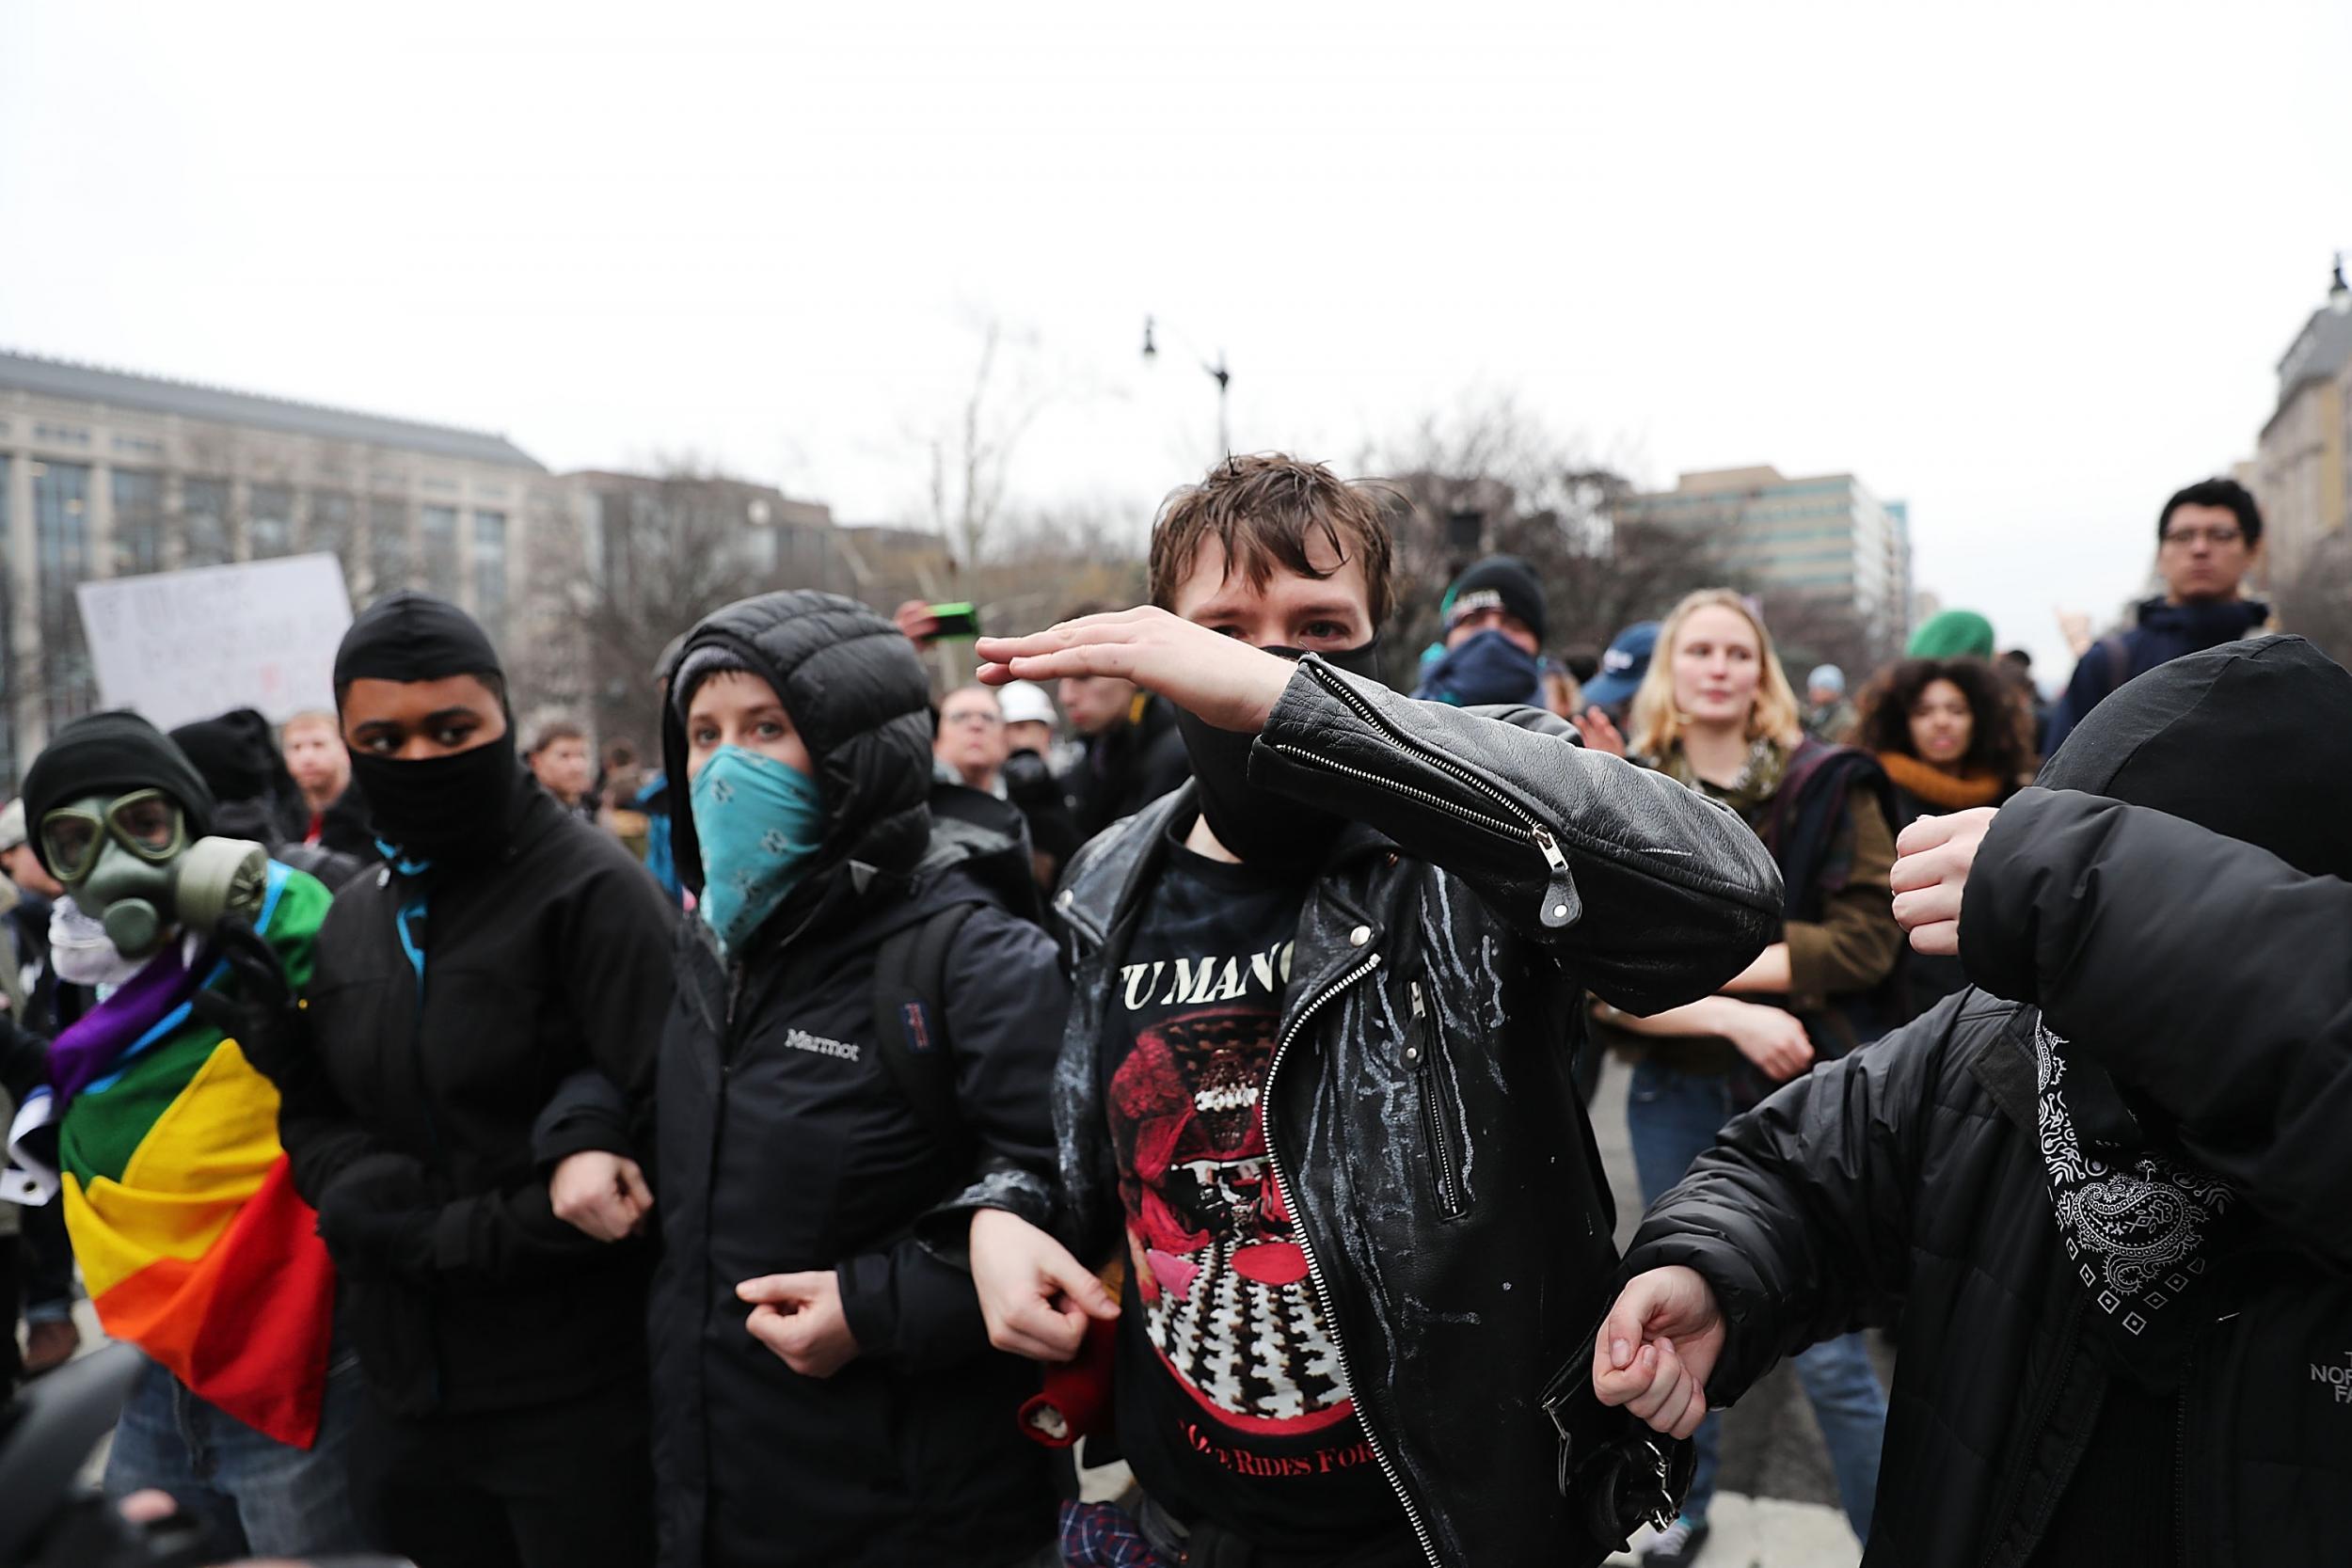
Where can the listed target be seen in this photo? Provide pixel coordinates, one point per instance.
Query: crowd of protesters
(1173, 1045)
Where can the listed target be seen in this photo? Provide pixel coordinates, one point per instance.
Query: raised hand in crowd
(1598, 732)
(1222, 679)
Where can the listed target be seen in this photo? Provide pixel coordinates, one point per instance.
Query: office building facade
(107, 474)
(1825, 537)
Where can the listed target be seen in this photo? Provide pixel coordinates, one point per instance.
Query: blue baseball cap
(1623, 666)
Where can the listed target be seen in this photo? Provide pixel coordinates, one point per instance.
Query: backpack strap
(2119, 657)
(910, 1017)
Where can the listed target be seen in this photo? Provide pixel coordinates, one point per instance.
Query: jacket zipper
(2002, 1516)
(1314, 1266)
(1421, 1053)
(1558, 887)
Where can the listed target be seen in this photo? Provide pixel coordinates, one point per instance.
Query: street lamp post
(1217, 373)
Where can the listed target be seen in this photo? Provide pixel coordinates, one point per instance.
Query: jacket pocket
(1440, 1112)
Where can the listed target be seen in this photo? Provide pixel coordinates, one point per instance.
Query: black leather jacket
(1421, 1115)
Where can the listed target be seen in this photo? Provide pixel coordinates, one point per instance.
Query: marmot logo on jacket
(800, 1040)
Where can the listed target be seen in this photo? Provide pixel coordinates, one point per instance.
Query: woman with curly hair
(1946, 732)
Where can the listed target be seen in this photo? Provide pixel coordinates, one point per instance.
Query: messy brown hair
(1262, 510)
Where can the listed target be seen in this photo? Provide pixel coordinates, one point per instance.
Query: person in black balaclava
(2104, 1196)
(506, 946)
(1315, 1092)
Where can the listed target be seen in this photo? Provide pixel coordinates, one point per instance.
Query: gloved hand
(1029, 781)
(376, 1217)
(258, 1010)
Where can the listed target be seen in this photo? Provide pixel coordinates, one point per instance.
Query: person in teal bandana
(824, 1391)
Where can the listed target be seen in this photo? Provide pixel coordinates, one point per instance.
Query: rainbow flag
(181, 1203)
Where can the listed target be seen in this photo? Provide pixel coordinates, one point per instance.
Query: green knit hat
(1954, 634)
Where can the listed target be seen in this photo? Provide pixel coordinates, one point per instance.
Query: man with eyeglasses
(2207, 538)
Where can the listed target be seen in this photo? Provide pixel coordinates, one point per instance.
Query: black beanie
(112, 753)
(410, 635)
(233, 752)
(2252, 740)
(1503, 580)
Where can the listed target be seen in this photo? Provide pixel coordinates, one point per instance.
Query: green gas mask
(129, 864)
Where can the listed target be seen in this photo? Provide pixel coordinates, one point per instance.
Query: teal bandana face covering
(760, 824)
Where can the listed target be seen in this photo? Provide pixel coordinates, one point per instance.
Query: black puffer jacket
(1913, 1171)
(785, 1145)
(1451, 1202)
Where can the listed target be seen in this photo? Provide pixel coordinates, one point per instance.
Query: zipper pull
(1413, 1031)
(1560, 904)
(1413, 990)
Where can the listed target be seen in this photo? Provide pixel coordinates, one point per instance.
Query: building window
(391, 564)
(437, 542)
(62, 434)
(331, 522)
(204, 522)
(138, 531)
(138, 446)
(61, 560)
(269, 522)
(489, 571)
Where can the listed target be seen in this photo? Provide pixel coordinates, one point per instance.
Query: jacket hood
(2252, 740)
(856, 693)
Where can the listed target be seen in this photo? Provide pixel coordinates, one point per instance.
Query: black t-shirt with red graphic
(1233, 1405)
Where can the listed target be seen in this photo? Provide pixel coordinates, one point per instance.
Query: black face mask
(1263, 828)
(445, 809)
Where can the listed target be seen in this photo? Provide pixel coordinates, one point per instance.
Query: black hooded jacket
(785, 1146)
(2201, 956)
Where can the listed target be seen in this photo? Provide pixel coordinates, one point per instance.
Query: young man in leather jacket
(1316, 1086)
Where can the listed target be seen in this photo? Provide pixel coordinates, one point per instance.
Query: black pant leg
(11, 1277)
(577, 1481)
(417, 1482)
(49, 1255)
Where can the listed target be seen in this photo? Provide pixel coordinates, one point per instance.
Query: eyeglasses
(145, 822)
(2221, 536)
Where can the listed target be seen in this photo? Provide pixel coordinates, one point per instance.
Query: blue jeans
(1674, 1116)
(261, 1496)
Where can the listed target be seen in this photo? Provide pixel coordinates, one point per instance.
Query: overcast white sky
(2029, 267)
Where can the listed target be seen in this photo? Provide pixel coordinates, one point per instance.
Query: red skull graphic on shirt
(1226, 1299)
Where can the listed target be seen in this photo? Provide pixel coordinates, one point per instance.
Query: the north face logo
(2337, 1378)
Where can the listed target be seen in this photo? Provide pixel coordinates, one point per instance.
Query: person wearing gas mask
(864, 1021)
(1315, 1087)
(193, 1239)
(504, 945)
